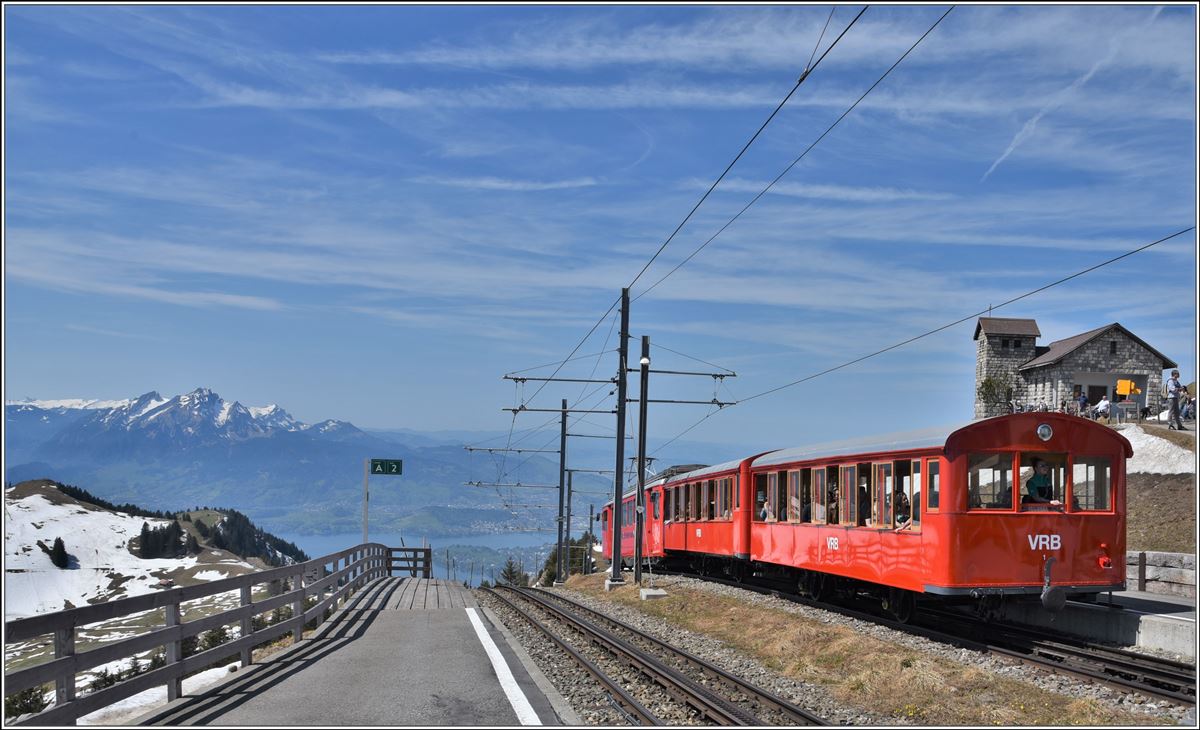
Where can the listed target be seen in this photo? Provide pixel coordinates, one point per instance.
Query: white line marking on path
(516, 698)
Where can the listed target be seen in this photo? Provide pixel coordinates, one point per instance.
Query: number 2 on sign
(833, 543)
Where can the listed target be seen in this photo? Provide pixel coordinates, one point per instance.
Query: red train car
(1025, 504)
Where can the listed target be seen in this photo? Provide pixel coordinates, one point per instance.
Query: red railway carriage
(1030, 503)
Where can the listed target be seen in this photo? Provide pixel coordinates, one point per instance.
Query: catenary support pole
(640, 518)
(559, 573)
(619, 476)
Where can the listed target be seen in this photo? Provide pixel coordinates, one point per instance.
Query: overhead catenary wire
(934, 331)
(804, 75)
(794, 162)
(808, 70)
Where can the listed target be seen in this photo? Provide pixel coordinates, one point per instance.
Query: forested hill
(223, 529)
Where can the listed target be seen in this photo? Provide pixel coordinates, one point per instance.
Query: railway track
(686, 679)
(1125, 670)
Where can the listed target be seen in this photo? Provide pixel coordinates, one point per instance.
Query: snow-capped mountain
(199, 418)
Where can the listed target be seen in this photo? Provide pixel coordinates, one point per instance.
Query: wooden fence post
(298, 606)
(64, 645)
(174, 654)
(247, 628)
(1141, 572)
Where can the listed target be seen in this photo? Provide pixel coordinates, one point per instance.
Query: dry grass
(861, 671)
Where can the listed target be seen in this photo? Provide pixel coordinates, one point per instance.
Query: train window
(737, 493)
(831, 495)
(668, 504)
(710, 499)
(654, 497)
(781, 501)
(914, 522)
(933, 483)
(1044, 479)
(771, 509)
(882, 498)
(1091, 484)
(793, 496)
(724, 497)
(849, 495)
(818, 496)
(990, 481)
(804, 487)
(694, 510)
(864, 513)
(760, 497)
(901, 494)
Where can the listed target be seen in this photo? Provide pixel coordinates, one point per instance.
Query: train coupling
(1053, 597)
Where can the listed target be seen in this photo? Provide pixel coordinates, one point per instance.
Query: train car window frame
(1058, 480)
(772, 496)
(848, 496)
(805, 490)
(901, 493)
(818, 496)
(1084, 504)
(994, 498)
(864, 514)
(655, 498)
(668, 503)
(881, 498)
(710, 500)
(933, 484)
(781, 496)
(914, 497)
(793, 495)
(736, 480)
(832, 514)
(760, 497)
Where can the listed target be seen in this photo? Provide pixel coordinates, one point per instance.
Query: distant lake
(318, 545)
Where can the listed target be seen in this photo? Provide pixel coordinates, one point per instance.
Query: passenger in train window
(864, 504)
(1039, 489)
(903, 509)
(832, 510)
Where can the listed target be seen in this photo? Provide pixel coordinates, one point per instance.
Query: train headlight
(1044, 432)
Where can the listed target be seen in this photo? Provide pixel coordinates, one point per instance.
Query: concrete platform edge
(564, 711)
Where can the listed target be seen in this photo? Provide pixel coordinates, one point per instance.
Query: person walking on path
(1175, 391)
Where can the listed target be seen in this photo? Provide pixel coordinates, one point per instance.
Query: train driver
(1039, 489)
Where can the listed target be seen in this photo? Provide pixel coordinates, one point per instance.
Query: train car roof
(925, 438)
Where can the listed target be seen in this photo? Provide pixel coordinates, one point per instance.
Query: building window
(1112, 347)
(1004, 344)
(1016, 344)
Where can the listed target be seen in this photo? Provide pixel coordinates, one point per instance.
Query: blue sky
(373, 213)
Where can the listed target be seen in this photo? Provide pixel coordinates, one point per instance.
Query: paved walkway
(407, 652)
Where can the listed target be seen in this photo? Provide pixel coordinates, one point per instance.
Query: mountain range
(199, 449)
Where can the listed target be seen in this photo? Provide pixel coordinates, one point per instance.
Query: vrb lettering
(1045, 542)
(833, 543)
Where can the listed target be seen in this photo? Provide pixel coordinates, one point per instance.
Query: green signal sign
(390, 467)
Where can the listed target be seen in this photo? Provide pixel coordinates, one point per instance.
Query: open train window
(818, 496)
(831, 495)
(760, 497)
(901, 507)
(710, 499)
(804, 487)
(793, 496)
(780, 503)
(1091, 484)
(864, 509)
(990, 481)
(654, 498)
(1043, 481)
(914, 497)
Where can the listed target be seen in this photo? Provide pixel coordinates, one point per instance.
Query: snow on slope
(97, 539)
(1154, 455)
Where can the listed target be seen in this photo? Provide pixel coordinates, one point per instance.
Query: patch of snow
(223, 416)
(210, 575)
(1154, 455)
(149, 407)
(258, 411)
(97, 541)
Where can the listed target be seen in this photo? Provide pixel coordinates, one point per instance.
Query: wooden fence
(321, 578)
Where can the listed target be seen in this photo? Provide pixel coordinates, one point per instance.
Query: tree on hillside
(513, 575)
(58, 554)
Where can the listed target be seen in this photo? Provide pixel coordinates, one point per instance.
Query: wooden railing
(316, 578)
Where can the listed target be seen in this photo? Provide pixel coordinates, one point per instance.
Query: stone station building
(1091, 362)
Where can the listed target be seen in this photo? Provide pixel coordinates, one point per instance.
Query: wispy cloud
(495, 183)
(1065, 95)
